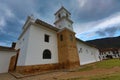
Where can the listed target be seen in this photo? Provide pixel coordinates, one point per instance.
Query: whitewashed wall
(5, 57)
(64, 23)
(22, 44)
(37, 45)
(88, 54)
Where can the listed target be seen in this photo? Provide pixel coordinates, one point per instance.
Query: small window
(69, 25)
(117, 52)
(80, 51)
(59, 26)
(61, 37)
(46, 54)
(91, 53)
(86, 50)
(103, 57)
(66, 15)
(59, 16)
(46, 38)
(71, 37)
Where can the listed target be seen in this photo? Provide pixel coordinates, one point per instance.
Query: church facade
(45, 47)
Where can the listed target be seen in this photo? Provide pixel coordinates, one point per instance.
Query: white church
(43, 47)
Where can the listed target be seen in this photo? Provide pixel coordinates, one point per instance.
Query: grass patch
(106, 64)
(107, 77)
(103, 77)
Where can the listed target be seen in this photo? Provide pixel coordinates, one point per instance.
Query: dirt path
(95, 72)
(64, 75)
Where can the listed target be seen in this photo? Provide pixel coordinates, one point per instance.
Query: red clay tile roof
(86, 43)
(38, 21)
(2, 48)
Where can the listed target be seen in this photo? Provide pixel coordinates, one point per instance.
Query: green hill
(112, 42)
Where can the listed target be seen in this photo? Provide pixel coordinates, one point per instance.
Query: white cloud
(5, 14)
(85, 27)
(109, 22)
(4, 44)
(2, 25)
(12, 34)
(6, 11)
(2, 22)
(95, 4)
(82, 3)
(89, 29)
(9, 13)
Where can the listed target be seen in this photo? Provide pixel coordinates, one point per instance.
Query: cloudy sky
(92, 19)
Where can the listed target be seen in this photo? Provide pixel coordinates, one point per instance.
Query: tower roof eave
(40, 22)
(63, 18)
(61, 9)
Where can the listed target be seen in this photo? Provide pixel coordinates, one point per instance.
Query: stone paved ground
(7, 76)
(64, 75)
(49, 76)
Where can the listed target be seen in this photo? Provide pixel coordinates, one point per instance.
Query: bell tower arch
(63, 19)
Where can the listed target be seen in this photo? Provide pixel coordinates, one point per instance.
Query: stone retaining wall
(37, 68)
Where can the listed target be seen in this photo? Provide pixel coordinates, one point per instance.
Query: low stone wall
(30, 69)
(37, 68)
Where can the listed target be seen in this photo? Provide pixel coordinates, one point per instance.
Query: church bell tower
(67, 48)
(63, 19)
